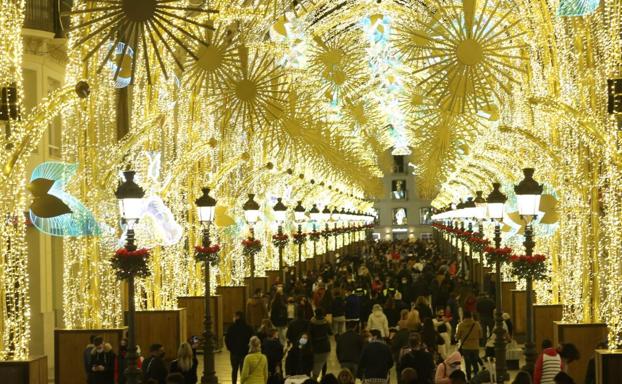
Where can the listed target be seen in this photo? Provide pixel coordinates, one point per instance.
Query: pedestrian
(101, 363)
(418, 359)
(423, 307)
(430, 336)
(408, 376)
(376, 360)
(255, 366)
(522, 377)
(86, 355)
(186, 364)
(273, 349)
(563, 378)
(154, 367)
(486, 308)
(553, 360)
(469, 333)
(296, 328)
(345, 376)
(349, 347)
(338, 310)
(457, 377)
(299, 359)
(236, 340)
(319, 332)
(256, 310)
(378, 320)
(444, 369)
(278, 315)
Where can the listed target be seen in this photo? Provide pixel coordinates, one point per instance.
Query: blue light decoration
(117, 57)
(68, 217)
(569, 8)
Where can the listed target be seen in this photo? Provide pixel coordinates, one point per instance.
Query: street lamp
(470, 212)
(280, 214)
(316, 216)
(528, 193)
(251, 214)
(131, 203)
(495, 204)
(335, 218)
(326, 219)
(480, 214)
(206, 208)
(299, 216)
(343, 216)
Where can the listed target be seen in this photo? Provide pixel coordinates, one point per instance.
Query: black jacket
(299, 361)
(376, 361)
(273, 350)
(190, 376)
(319, 333)
(422, 362)
(105, 359)
(237, 338)
(349, 347)
(338, 307)
(154, 368)
(295, 329)
(278, 314)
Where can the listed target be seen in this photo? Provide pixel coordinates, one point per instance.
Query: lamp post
(460, 207)
(495, 204)
(469, 213)
(480, 214)
(343, 216)
(299, 216)
(280, 214)
(528, 193)
(316, 216)
(251, 214)
(206, 208)
(130, 196)
(335, 218)
(326, 219)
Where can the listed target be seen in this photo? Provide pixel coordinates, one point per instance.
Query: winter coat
(105, 358)
(485, 307)
(299, 361)
(255, 312)
(338, 307)
(190, 376)
(422, 362)
(349, 347)
(376, 361)
(469, 340)
(273, 350)
(378, 320)
(353, 307)
(444, 369)
(154, 368)
(278, 314)
(255, 369)
(237, 338)
(319, 332)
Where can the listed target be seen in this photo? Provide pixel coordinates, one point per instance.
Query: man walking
(376, 360)
(236, 340)
(468, 334)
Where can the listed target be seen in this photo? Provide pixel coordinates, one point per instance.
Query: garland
(207, 254)
(502, 254)
(130, 263)
(299, 238)
(478, 243)
(251, 246)
(524, 266)
(463, 235)
(325, 234)
(314, 236)
(280, 240)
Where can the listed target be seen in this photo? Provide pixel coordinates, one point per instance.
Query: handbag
(464, 338)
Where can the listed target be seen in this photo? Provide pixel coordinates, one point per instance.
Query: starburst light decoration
(145, 26)
(467, 52)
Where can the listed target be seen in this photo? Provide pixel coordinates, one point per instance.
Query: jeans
(339, 325)
(319, 359)
(236, 365)
(471, 357)
(488, 325)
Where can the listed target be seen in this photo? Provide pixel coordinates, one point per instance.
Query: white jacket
(378, 320)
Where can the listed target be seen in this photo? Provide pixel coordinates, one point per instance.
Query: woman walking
(186, 364)
(255, 368)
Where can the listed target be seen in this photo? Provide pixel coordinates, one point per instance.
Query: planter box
(585, 336)
(166, 327)
(31, 371)
(195, 314)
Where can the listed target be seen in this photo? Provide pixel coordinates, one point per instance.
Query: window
(398, 189)
(398, 164)
(54, 130)
(400, 217)
(425, 215)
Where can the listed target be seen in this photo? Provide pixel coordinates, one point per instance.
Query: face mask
(303, 341)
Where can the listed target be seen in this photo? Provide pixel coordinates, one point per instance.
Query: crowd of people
(383, 306)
